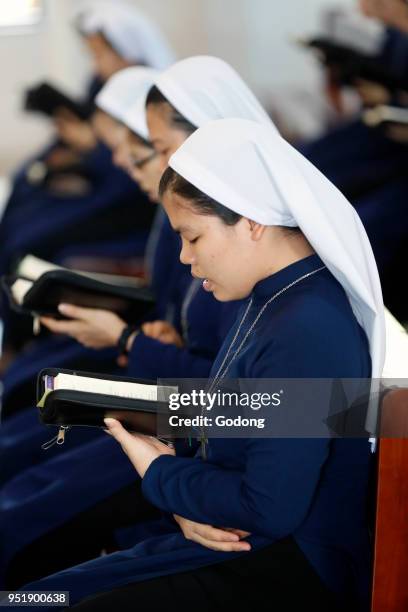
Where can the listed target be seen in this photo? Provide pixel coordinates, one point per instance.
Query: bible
(349, 64)
(384, 115)
(68, 398)
(37, 287)
(47, 100)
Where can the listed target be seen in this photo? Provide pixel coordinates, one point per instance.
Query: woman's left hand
(219, 539)
(164, 332)
(141, 450)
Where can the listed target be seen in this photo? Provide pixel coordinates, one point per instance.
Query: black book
(349, 64)
(68, 398)
(38, 287)
(384, 115)
(47, 99)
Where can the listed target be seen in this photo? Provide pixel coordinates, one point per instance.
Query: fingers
(156, 329)
(123, 436)
(239, 532)
(214, 534)
(152, 330)
(116, 429)
(60, 327)
(223, 546)
(75, 312)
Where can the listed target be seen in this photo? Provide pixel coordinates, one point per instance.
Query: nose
(186, 256)
(121, 156)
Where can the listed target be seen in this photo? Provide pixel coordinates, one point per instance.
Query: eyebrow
(183, 228)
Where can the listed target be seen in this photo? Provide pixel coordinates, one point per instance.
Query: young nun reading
(211, 89)
(266, 522)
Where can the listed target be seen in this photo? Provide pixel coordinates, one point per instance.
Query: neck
(283, 251)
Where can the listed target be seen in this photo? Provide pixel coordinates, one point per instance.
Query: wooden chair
(390, 584)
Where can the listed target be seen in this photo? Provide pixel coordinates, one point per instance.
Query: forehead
(158, 118)
(183, 216)
(97, 42)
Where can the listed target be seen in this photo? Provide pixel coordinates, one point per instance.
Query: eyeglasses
(140, 163)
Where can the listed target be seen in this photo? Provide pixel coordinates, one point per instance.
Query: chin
(223, 296)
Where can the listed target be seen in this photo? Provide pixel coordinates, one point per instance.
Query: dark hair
(172, 181)
(178, 121)
(199, 200)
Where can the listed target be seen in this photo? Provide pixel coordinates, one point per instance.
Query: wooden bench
(390, 584)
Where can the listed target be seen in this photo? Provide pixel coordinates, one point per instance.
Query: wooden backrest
(390, 584)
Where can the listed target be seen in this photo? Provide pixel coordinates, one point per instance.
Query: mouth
(207, 284)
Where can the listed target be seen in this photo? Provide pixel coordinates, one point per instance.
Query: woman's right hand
(222, 540)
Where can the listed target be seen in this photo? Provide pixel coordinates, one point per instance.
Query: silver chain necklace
(222, 373)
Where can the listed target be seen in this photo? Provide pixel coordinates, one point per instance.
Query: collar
(274, 283)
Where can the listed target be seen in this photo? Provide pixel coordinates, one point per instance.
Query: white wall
(254, 35)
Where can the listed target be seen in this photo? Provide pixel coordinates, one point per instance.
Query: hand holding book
(38, 287)
(67, 398)
(94, 328)
(142, 450)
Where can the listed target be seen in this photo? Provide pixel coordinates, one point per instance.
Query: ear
(257, 230)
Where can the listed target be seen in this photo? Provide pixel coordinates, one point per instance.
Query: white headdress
(124, 96)
(135, 37)
(204, 88)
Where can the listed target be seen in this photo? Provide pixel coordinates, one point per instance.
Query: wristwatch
(124, 337)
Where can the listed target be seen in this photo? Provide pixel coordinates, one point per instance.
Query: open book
(85, 384)
(31, 268)
(385, 114)
(38, 287)
(66, 398)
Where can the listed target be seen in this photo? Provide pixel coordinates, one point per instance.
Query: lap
(277, 577)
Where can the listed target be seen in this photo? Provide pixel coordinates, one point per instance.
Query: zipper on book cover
(36, 325)
(58, 439)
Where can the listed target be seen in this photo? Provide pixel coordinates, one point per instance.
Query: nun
(120, 35)
(258, 521)
(182, 349)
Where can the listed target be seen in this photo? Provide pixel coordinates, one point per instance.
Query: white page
(33, 267)
(106, 387)
(19, 289)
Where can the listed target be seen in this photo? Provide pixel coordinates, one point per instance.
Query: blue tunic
(314, 489)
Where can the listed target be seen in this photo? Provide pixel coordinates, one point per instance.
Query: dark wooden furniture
(390, 584)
